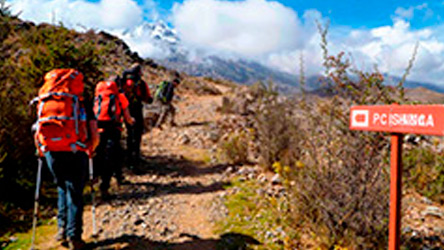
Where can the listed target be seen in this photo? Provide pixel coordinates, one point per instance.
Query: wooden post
(395, 192)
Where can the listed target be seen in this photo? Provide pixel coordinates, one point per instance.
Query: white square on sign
(360, 118)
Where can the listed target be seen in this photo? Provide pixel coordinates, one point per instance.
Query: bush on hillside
(277, 131)
(336, 178)
(234, 148)
(423, 169)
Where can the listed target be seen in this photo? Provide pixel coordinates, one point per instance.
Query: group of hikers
(71, 133)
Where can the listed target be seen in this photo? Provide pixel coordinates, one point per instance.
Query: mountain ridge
(177, 56)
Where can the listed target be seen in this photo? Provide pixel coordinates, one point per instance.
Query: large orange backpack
(61, 118)
(107, 106)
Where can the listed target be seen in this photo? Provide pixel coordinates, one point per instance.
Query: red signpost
(397, 119)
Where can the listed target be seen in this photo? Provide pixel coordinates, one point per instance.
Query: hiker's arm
(94, 135)
(125, 107)
(128, 118)
(93, 132)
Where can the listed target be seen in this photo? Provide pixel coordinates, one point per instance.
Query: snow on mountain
(162, 43)
(158, 31)
(154, 40)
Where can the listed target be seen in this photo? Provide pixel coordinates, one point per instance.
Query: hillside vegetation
(334, 182)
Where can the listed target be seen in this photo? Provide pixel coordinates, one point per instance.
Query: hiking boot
(76, 244)
(60, 236)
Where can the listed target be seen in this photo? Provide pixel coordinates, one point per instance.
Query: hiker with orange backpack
(137, 92)
(65, 133)
(109, 107)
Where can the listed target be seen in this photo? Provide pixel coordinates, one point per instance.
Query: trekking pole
(93, 196)
(36, 202)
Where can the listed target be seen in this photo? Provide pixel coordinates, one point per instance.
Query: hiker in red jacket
(109, 107)
(65, 131)
(137, 92)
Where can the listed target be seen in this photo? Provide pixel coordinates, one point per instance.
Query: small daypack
(135, 89)
(61, 118)
(107, 106)
(164, 92)
(132, 89)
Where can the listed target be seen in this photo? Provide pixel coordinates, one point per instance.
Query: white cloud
(265, 31)
(141, 42)
(289, 61)
(276, 36)
(405, 13)
(391, 47)
(151, 10)
(105, 14)
(248, 28)
(408, 13)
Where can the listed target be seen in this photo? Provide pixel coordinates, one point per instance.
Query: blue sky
(275, 33)
(351, 13)
(354, 13)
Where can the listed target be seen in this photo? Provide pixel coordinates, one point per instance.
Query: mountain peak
(153, 32)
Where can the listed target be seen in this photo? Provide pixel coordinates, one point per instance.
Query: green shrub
(234, 148)
(276, 132)
(424, 171)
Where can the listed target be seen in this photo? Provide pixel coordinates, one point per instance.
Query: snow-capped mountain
(163, 44)
(154, 40)
(158, 31)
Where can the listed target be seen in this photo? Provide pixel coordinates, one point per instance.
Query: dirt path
(172, 199)
(169, 201)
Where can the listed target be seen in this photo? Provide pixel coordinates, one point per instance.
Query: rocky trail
(173, 199)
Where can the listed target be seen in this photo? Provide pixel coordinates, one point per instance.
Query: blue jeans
(70, 173)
